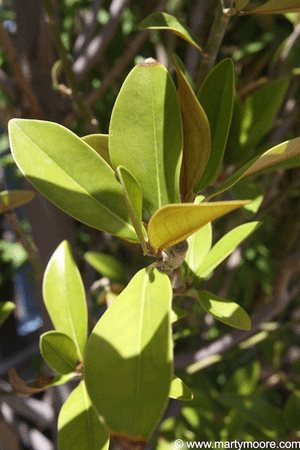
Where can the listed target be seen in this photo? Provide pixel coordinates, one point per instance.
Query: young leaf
(272, 157)
(196, 135)
(177, 314)
(70, 174)
(180, 390)
(224, 247)
(107, 265)
(99, 142)
(225, 310)
(256, 410)
(291, 411)
(128, 366)
(145, 133)
(164, 21)
(64, 297)
(6, 308)
(13, 199)
(216, 97)
(199, 246)
(277, 7)
(79, 427)
(59, 352)
(174, 223)
(134, 201)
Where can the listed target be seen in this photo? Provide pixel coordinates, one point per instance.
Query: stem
(214, 42)
(67, 66)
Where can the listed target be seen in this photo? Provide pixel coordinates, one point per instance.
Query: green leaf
(70, 174)
(216, 97)
(225, 246)
(13, 199)
(64, 297)
(177, 313)
(277, 7)
(240, 4)
(199, 246)
(250, 190)
(180, 390)
(128, 365)
(275, 156)
(225, 310)
(6, 308)
(259, 112)
(107, 265)
(36, 386)
(99, 142)
(13, 253)
(59, 352)
(256, 410)
(174, 223)
(79, 427)
(244, 380)
(164, 21)
(145, 133)
(233, 152)
(196, 135)
(134, 201)
(291, 412)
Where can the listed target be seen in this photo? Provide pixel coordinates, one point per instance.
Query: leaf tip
(148, 62)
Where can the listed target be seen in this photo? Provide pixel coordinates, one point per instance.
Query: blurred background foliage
(246, 384)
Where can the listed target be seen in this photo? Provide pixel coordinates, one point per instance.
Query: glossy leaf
(79, 427)
(256, 410)
(107, 265)
(180, 390)
(70, 174)
(291, 411)
(259, 112)
(134, 201)
(164, 21)
(59, 352)
(216, 97)
(64, 297)
(128, 365)
(6, 308)
(177, 313)
(41, 384)
(196, 135)
(99, 142)
(174, 223)
(277, 7)
(145, 133)
(199, 246)
(225, 310)
(13, 199)
(225, 246)
(274, 156)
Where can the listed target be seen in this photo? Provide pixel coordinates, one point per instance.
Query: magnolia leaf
(99, 142)
(6, 308)
(273, 156)
(180, 390)
(246, 188)
(277, 7)
(13, 199)
(107, 265)
(59, 352)
(174, 223)
(196, 135)
(199, 246)
(177, 313)
(256, 410)
(70, 174)
(128, 366)
(41, 384)
(164, 21)
(225, 310)
(216, 97)
(224, 247)
(145, 133)
(291, 412)
(134, 201)
(64, 297)
(79, 427)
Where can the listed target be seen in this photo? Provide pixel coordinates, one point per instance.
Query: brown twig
(91, 22)
(16, 68)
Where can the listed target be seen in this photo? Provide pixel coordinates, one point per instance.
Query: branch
(7, 85)
(90, 26)
(14, 62)
(96, 47)
(281, 298)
